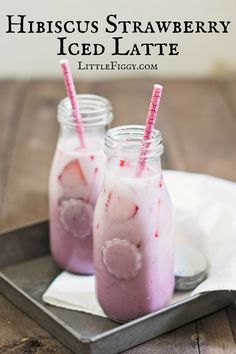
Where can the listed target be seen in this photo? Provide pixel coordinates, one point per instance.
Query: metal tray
(26, 270)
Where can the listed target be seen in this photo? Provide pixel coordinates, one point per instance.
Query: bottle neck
(96, 113)
(124, 149)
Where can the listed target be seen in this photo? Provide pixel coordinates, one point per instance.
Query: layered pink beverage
(75, 181)
(133, 230)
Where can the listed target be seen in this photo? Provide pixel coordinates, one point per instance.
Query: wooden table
(198, 121)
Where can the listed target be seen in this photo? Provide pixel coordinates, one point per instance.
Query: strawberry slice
(72, 174)
(119, 205)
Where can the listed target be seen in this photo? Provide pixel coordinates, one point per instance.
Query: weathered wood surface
(198, 121)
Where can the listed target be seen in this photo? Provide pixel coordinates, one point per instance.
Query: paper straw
(149, 126)
(71, 93)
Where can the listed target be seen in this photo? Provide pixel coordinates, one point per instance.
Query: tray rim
(148, 316)
(94, 341)
(105, 333)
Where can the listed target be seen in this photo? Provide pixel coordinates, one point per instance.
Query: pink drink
(75, 181)
(133, 238)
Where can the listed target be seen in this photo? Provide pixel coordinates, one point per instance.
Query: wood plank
(182, 340)
(19, 334)
(228, 90)
(11, 100)
(130, 99)
(25, 194)
(25, 198)
(215, 335)
(231, 313)
(200, 128)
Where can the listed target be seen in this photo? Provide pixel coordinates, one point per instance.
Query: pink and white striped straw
(71, 93)
(149, 126)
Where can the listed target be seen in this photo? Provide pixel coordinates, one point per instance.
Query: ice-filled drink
(75, 181)
(133, 223)
(133, 228)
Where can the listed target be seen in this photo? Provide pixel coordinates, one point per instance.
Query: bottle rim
(95, 111)
(127, 140)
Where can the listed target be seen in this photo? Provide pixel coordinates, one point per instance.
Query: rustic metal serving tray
(26, 270)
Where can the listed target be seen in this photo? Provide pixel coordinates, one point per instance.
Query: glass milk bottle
(133, 229)
(75, 181)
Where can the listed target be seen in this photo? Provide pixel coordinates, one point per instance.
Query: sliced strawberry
(72, 174)
(120, 206)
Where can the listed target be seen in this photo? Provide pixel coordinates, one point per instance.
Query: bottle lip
(126, 140)
(95, 111)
